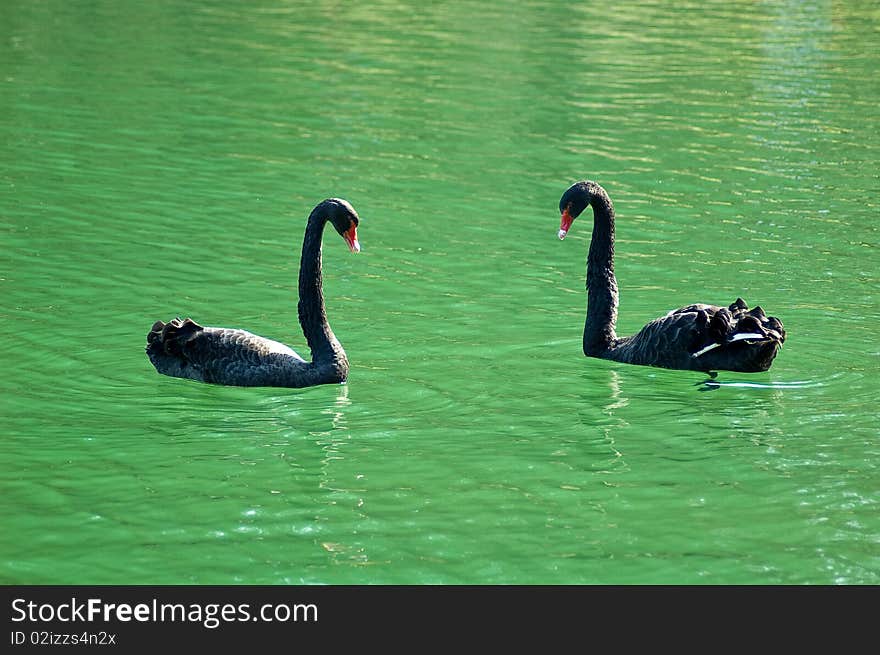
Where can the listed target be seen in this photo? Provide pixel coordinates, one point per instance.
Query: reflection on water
(617, 401)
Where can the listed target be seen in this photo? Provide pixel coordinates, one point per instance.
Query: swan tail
(167, 347)
(735, 337)
(170, 338)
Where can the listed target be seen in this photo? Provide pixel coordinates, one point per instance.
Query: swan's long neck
(599, 335)
(326, 349)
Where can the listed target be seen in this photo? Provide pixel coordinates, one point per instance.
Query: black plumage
(697, 337)
(185, 349)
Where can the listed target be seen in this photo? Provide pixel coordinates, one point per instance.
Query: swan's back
(186, 349)
(706, 338)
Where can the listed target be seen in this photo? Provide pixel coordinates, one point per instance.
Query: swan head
(574, 201)
(344, 219)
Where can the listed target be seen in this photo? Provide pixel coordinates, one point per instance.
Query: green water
(160, 159)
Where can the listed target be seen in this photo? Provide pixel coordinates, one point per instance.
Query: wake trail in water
(795, 384)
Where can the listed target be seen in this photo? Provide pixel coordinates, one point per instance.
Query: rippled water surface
(160, 159)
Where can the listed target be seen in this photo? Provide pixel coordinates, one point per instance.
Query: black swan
(185, 349)
(697, 337)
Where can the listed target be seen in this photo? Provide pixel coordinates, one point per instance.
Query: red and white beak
(565, 224)
(351, 238)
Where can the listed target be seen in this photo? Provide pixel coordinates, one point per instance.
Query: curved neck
(599, 333)
(325, 348)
